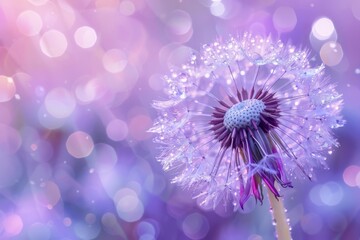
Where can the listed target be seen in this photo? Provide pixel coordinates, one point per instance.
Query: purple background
(76, 86)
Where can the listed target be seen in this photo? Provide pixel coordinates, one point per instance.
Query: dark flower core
(244, 113)
(244, 124)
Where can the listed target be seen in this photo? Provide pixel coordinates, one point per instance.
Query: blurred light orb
(49, 121)
(323, 28)
(331, 194)
(49, 194)
(7, 88)
(79, 144)
(127, 8)
(284, 19)
(68, 14)
(178, 55)
(38, 2)
(90, 218)
(60, 103)
(350, 175)
(146, 230)
(217, 8)
(90, 91)
(129, 207)
(85, 37)
(156, 82)
(314, 195)
(114, 60)
(12, 225)
(53, 43)
(117, 130)
(29, 23)
(67, 222)
(87, 231)
(331, 53)
(103, 158)
(179, 22)
(147, 237)
(195, 226)
(38, 231)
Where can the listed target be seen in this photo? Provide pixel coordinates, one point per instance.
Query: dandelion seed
(247, 112)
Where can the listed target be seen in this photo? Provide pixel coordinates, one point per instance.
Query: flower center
(242, 114)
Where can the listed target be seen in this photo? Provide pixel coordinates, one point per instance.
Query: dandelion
(245, 113)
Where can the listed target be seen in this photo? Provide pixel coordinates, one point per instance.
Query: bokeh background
(77, 78)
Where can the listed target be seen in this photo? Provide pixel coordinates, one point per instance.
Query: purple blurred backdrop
(77, 79)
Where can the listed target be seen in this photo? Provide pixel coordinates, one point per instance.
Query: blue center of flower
(243, 114)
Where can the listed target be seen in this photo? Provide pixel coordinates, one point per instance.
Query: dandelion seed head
(244, 113)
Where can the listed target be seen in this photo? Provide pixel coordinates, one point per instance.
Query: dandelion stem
(279, 217)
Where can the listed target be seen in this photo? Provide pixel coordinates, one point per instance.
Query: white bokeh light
(114, 60)
(29, 23)
(85, 37)
(53, 43)
(60, 103)
(128, 205)
(179, 22)
(12, 225)
(127, 7)
(217, 9)
(284, 19)
(7, 88)
(48, 194)
(331, 53)
(79, 144)
(117, 130)
(323, 28)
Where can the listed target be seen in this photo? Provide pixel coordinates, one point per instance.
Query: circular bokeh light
(60, 103)
(117, 130)
(29, 23)
(85, 37)
(49, 194)
(284, 19)
(323, 28)
(53, 43)
(127, 7)
(331, 53)
(103, 158)
(217, 9)
(13, 225)
(7, 88)
(129, 207)
(79, 144)
(114, 60)
(195, 226)
(179, 22)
